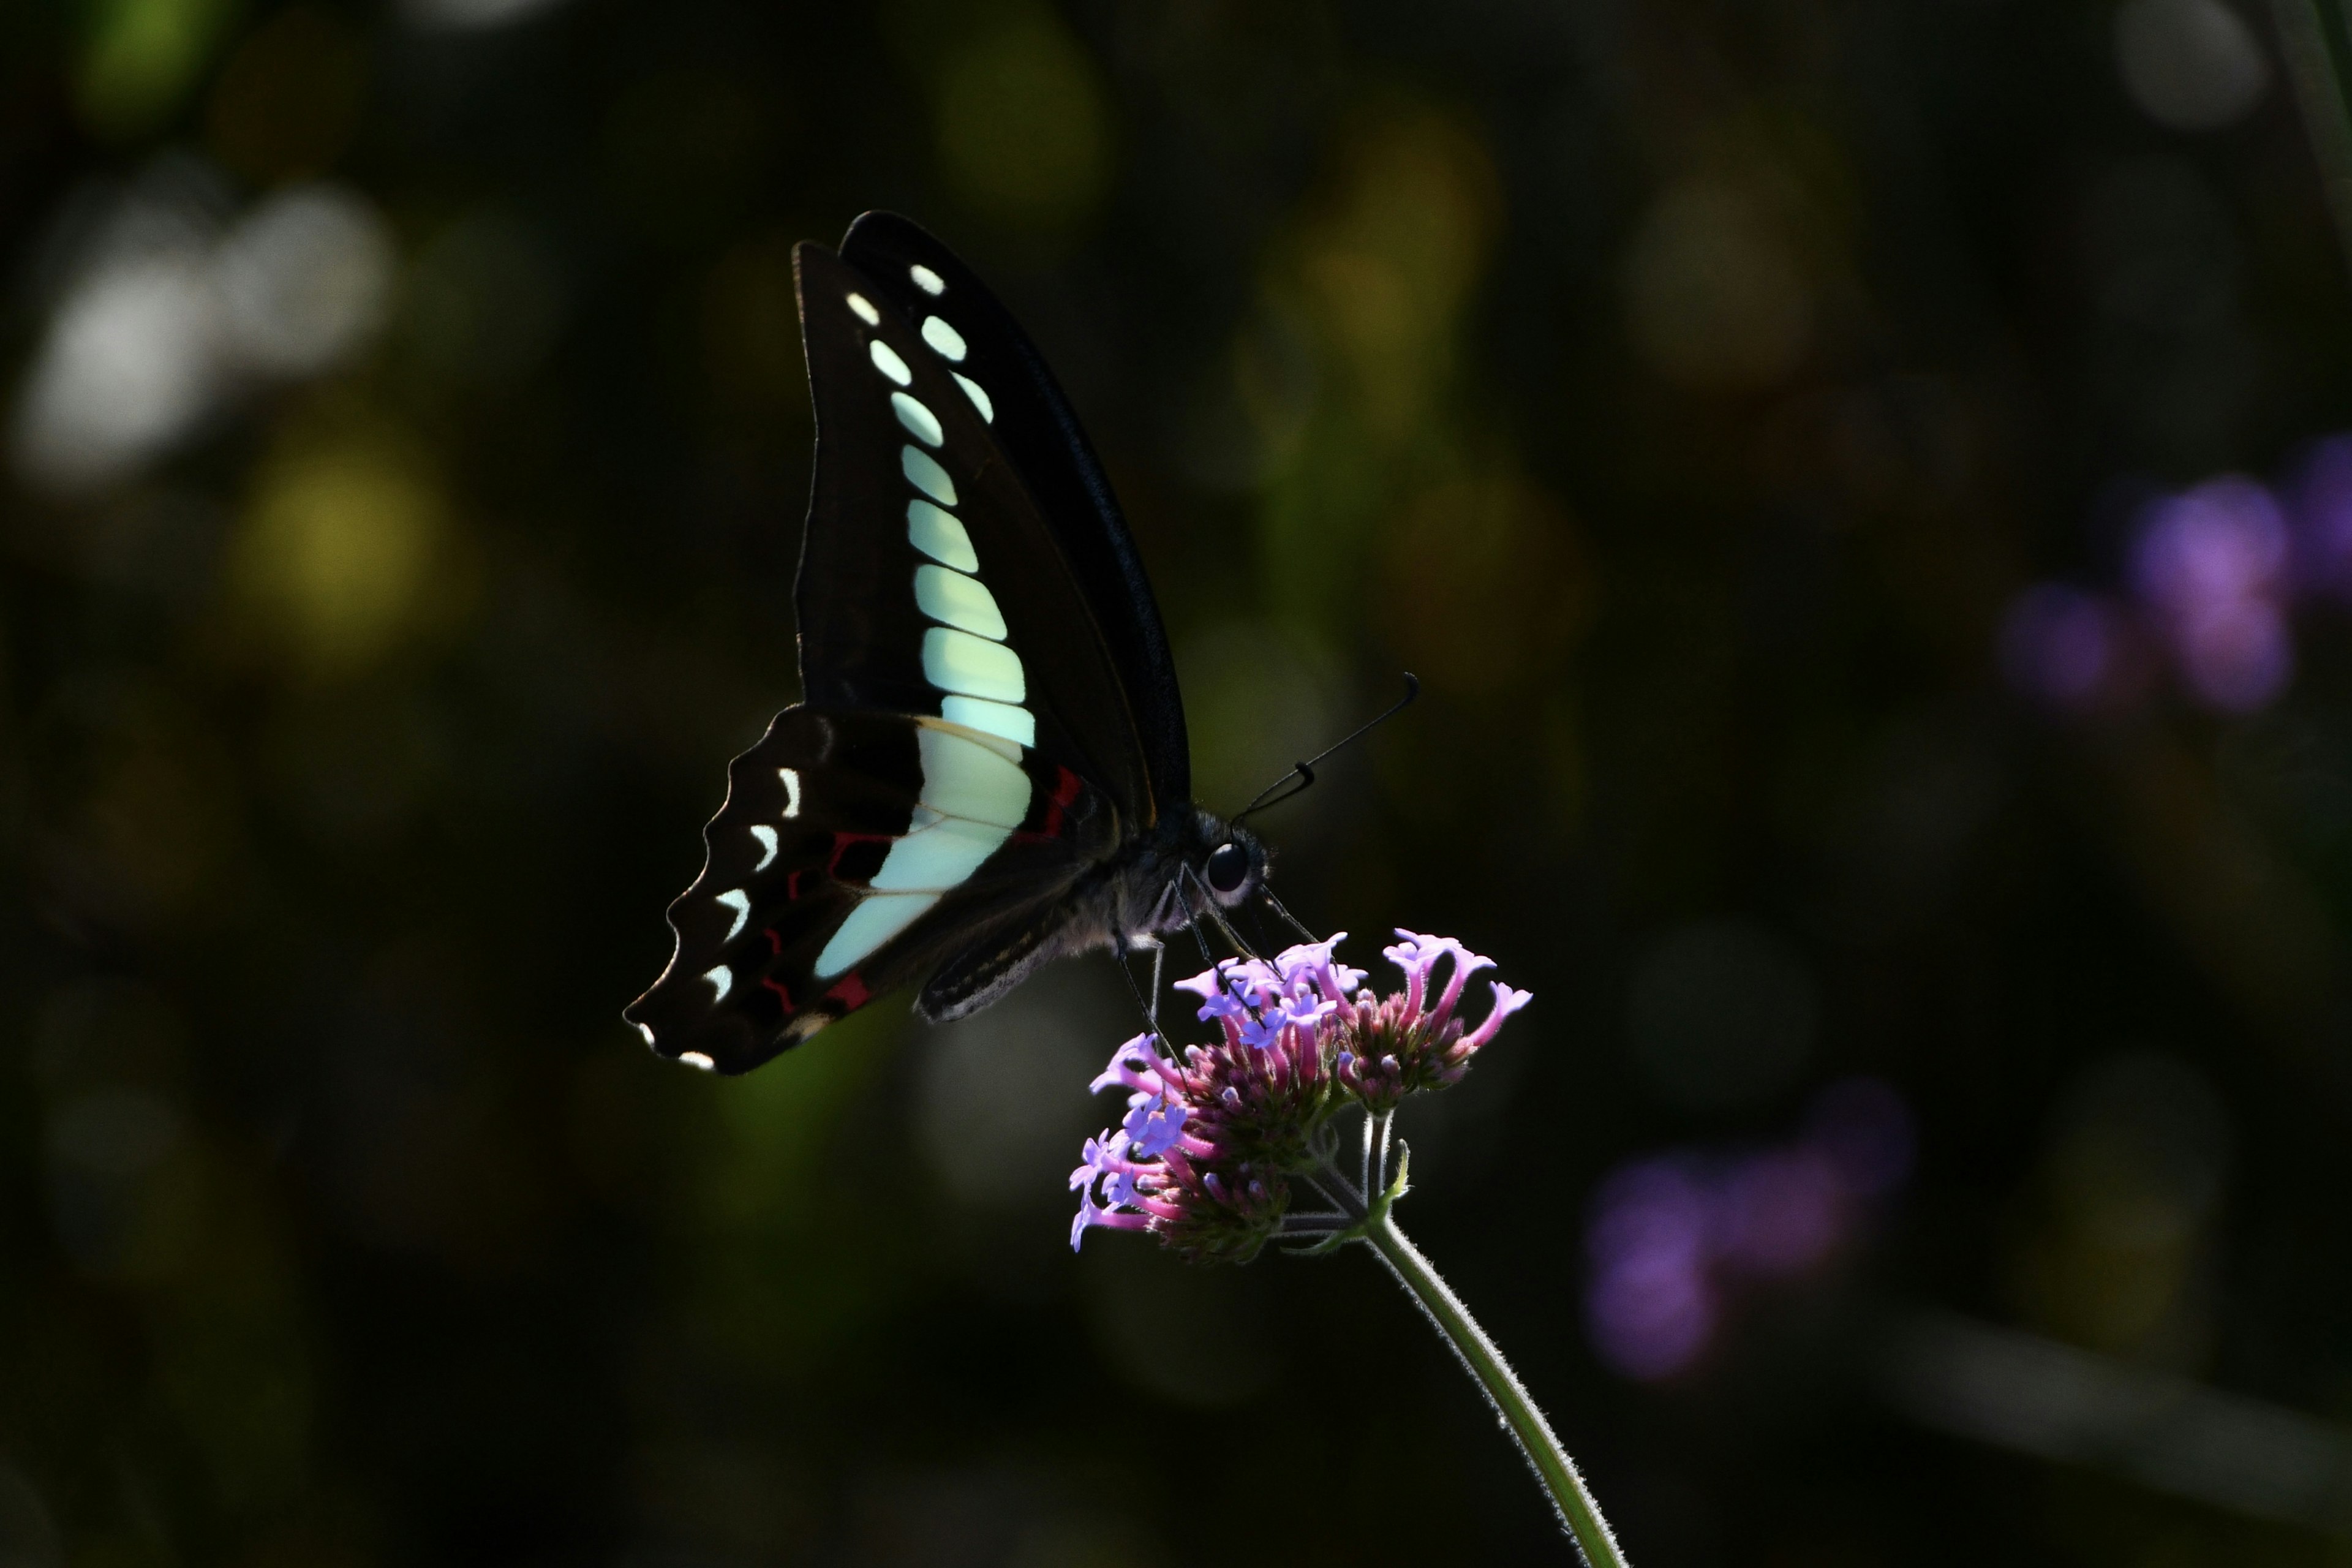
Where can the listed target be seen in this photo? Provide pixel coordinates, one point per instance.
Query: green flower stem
(1552, 1466)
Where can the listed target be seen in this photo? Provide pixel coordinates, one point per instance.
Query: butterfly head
(1234, 866)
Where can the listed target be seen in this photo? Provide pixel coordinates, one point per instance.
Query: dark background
(407, 442)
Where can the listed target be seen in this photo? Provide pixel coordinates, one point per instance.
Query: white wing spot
(923, 472)
(885, 360)
(920, 422)
(866, 311)
(959, 661)
(945, 340)
(767, 838)
(1017, 725)
(939, 535)
(738, 900)
(722, 980)
(979, 398)
(965, 776)
(959, 601)
(929, 282)
(696, 1059)
(792, 777)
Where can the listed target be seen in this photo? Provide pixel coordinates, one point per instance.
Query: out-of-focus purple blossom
(2213, 574)
(2064, 647)
(2209, 564)
(1864, 1128)
(1213, 1132)
(2320, 494)
(1670, 1236)
(1781, 1211)
(1651, 1307)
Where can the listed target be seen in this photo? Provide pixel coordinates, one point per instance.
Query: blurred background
(1858, 481)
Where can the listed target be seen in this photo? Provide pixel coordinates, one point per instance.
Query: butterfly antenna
(1301, 776)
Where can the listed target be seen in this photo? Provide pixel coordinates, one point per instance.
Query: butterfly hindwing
(855, 852)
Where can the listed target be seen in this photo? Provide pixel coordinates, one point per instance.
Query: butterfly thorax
(1156, 882)
(1160, 881)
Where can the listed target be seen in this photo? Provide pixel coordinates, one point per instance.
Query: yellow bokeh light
(1024, 133)
(346, 551)
(1350, 375)
(1486, 583)
(140, 57)
(1717, 295)
(1387, 268)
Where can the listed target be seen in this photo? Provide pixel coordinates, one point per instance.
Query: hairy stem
(1550, 1461)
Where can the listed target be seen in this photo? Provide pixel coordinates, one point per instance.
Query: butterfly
(988, 768)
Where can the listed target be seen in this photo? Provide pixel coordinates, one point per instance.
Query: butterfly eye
(1228, 866)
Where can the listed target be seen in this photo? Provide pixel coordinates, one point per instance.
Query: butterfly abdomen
(986, 969)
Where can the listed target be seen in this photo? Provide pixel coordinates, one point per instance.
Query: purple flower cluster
(1214, 1133)
(1673, 1236)
(2213, 576)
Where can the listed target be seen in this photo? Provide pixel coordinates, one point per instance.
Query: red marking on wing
(850, 993)
(842, 843)
(1066, 790)
(776, 947)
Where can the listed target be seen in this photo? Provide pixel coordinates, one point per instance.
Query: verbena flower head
(1213, 1132)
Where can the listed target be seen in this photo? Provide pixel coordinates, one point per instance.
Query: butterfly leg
(1192, 919)
(1192, 923)
(1120, 948)
(1216, 916)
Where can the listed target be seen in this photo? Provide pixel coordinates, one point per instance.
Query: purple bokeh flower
(1212, 1131)
(2065, 647)
(1670, 1236)
(1651, 1307)
(1780, 1212)
(2209, 564)
(1861, 1125)
(2213, 575)
(2320, 504)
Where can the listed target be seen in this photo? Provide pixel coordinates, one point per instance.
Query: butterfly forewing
(855, 852)
(935, 396)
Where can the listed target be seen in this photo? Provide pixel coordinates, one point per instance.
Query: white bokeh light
(166, 315)
(2190, 64)
(129, 366)
(471, 15)
(304, 279)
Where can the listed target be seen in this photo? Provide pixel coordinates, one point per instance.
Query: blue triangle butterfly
(988, 769)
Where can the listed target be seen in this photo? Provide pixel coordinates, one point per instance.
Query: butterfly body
(1154, 884)
(989, 769)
